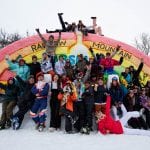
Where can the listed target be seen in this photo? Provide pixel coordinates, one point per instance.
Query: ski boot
(85, 130)
(15, 123)
(73, 120)
(2, 126)
(41, 127)
(8, 124)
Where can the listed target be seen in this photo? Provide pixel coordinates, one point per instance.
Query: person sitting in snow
(39, 108)
(107, 125)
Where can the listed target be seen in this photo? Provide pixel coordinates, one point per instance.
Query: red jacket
(109, 63)
(108, 124)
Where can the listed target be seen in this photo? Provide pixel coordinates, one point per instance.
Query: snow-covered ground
(27, 138)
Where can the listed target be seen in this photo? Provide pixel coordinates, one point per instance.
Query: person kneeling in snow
(25, 100)
(67, 97)
(40, 90)
(107, 125)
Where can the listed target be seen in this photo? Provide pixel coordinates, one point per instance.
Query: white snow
(27, 138)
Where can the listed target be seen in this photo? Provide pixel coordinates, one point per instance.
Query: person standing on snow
(39, 108)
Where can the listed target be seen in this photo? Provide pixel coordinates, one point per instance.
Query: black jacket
(11, 91)
(99, 95)
(88, 95)
(35, 68)
(26, 97)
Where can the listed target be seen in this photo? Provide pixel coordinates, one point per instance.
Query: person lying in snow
(107, 125)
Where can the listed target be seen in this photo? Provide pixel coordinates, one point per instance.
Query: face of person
(61, 58)
(68, 63)
(56, 78)
(143, 92)
(114, 82)
(31, 81)
(131, 93)
(131, 68)
(107, 55)
(44, 56)
(64, 77)
(10, 82)
(79, 58)
(127, 70)
(91, 60)
(21, 63)
(34, 60)
(100, 82)
(93, 78)
(51, 38)
(87, 85)
(40, 78)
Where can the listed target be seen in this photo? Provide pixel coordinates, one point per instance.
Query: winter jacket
(81, 64)
(88, 95)
(11, 91)
(108, 124)
(132, 104)
(59, 67)
(22, 71)
(43, 92)
(26, 96)
(69, 72)
(116, 94)
(144, 102)
(46, 66)
(135, 75)
(127, 77)
(99, 95)
(34, 68)
(70, 99)
(109, 63)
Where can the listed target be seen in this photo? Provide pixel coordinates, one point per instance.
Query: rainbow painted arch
(70, 46)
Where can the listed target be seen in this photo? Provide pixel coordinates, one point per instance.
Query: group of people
(90, 91)
(73, 27)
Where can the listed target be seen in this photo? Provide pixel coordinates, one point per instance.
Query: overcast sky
(120, 19)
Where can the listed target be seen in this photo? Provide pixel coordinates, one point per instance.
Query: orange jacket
(70, 100)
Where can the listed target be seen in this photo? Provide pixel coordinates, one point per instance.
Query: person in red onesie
(107, 125)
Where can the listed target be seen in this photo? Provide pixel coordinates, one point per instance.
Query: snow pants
(38, 111)
(124, 120)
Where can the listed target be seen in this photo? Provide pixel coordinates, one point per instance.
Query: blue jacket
(42, 93)
(22, 71)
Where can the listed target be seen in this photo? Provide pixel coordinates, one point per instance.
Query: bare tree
(143, 43)
(6, 38)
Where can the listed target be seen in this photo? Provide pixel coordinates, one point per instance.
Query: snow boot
(85, 130)
(15, 123)
(8, 124)
(41, 127)
(2, 126)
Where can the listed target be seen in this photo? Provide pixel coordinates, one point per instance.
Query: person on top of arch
(50, 44)
(108, 62)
